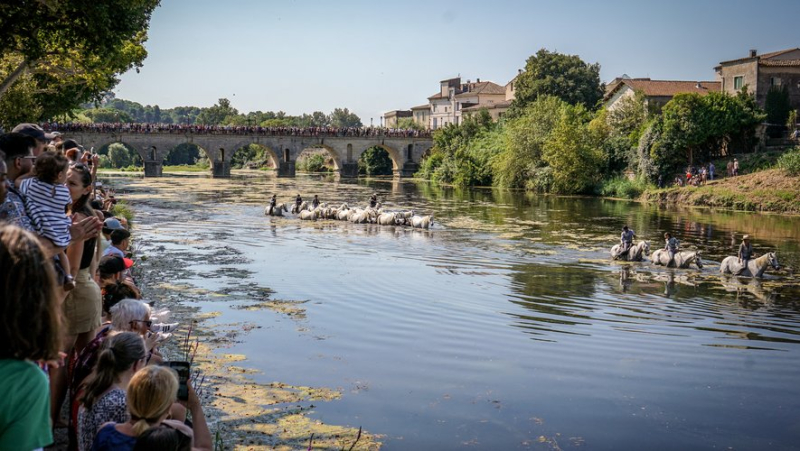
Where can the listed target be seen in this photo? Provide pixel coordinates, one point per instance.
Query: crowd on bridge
(146, 128)
(75, 331)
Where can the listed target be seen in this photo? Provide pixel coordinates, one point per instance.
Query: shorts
(83, 305)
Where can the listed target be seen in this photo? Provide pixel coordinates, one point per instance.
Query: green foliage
(69, 51)
(693, 127)
(120, 156)
(570, 152)
(342, 117)
(184, 153)
(408, 123)
(122, 209)
(554, 74)
(107, 115)
(375, 161)
(525, 137)
(777, 105)
(624, 187)
(790, 161)
(313, 163)
(791, 120)
(251, 156)
(218, 114)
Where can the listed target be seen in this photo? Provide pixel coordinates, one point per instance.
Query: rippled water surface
(506, 326)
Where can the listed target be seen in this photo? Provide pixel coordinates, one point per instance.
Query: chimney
(477, 80)
(698, 85)
(519, 71)
(753, 53)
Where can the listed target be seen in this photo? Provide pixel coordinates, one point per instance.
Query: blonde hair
(151, 392)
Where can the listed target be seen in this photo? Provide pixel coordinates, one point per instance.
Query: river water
(506, 326)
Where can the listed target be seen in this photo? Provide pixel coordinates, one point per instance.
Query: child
(47, 199)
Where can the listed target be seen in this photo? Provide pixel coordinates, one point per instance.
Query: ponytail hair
(151, 393)
(118, 354)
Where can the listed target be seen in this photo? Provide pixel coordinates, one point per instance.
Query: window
(775, 81)
(738, 82)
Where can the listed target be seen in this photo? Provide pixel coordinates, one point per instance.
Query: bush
(375, 161)
(314, 163)
(790, 161)
(121, 208)
(624, 187)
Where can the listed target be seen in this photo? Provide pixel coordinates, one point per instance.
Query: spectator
(109, 225)
(120, 240)
(18, 149)
(150, 396)
(103, 393)
(31, 316)
(735, 167)
(35, 132)
(166, 436)
(711, 170)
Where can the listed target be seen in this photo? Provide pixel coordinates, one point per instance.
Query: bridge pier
(221, 169)
(408, 170)
(349, 170)
(153, 169)
(286, 169)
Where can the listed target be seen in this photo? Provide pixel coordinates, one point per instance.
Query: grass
(123, 209)
(185, 168)
(625, 188)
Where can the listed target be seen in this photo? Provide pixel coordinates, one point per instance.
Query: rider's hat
(746, 237)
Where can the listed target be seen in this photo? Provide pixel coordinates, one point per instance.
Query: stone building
(447, 105)
(761, 72)
(390, 118)
(657, 92)
(422, 115)
(497, 108)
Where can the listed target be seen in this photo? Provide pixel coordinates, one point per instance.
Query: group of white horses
(368, 215)
(683, 259)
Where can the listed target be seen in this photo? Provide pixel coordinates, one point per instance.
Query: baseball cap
(33, 131)
(112, 224)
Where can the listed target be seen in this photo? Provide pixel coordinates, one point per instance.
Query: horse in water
(636, 253)
(277, 211)
(755, 267)
(304, 206)
(682, 259)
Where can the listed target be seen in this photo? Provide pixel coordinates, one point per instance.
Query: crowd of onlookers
(699, 175)
(333, 132)
(76, 332)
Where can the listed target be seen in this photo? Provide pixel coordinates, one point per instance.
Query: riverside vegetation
(556, 139)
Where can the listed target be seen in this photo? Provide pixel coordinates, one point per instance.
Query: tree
(118, 156)
(107, 115)
(571, 154)
(375, 161)
(408, 123)
(342, 117)
(67, 52)
(218, 114)
(564, 76)
(777, 105)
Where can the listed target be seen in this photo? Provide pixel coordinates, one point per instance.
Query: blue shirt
(13, 210)
(110, 439)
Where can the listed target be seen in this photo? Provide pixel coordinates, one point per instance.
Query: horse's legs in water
(744, 266)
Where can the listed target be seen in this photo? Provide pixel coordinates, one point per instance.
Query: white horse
(421, 222)
(277, 211)
(390, 219)
(755, 266)
(303, 206)
(682, 259)
(307, 215)
(636, 253)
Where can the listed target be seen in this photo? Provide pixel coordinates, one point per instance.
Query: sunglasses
(28, 157)
(146, 322)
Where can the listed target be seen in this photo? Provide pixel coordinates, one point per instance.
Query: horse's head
(773, 260)
(646, 247)
(697, 260)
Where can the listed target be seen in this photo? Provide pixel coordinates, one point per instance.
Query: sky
(301, 56)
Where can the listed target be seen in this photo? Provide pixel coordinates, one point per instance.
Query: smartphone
(182, 368)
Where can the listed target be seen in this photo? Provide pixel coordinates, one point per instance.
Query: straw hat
(746, 237)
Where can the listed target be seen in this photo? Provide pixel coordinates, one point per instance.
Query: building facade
(759, 73)
(657, 92)
(422, 115)
(390, 118)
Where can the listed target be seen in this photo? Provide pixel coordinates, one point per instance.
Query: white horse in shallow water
(636, 253)
(682, 259)
(277, 211)
(755, 266)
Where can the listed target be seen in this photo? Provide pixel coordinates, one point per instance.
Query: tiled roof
(426, 106)
(438, 95)
(761, 57)
(491, 106)
(484, 87)
(667, 88)
(783, 63)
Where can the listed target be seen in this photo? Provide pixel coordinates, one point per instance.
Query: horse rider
(272, 203)
(671, 247)
(298, 201)
(626, 240)
(745, 253)
(315, 202)
(373, 200)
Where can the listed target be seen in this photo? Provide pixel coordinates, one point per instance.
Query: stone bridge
(405, 152)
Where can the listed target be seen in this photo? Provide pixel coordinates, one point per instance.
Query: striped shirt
(47, 205)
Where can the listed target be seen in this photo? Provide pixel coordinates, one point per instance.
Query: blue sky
(373, 56)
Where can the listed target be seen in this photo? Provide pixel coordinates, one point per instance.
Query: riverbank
(244, 411)
(771, 190)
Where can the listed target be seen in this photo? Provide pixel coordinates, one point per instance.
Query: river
(505, 326)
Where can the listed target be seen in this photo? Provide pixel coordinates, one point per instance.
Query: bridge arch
(394, 155)
(134, 154)
(242, 154)
(333, 155)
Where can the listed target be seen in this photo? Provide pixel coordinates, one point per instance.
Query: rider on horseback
(671, 247)
(745, 253)
(272, 203)
(626, 240)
